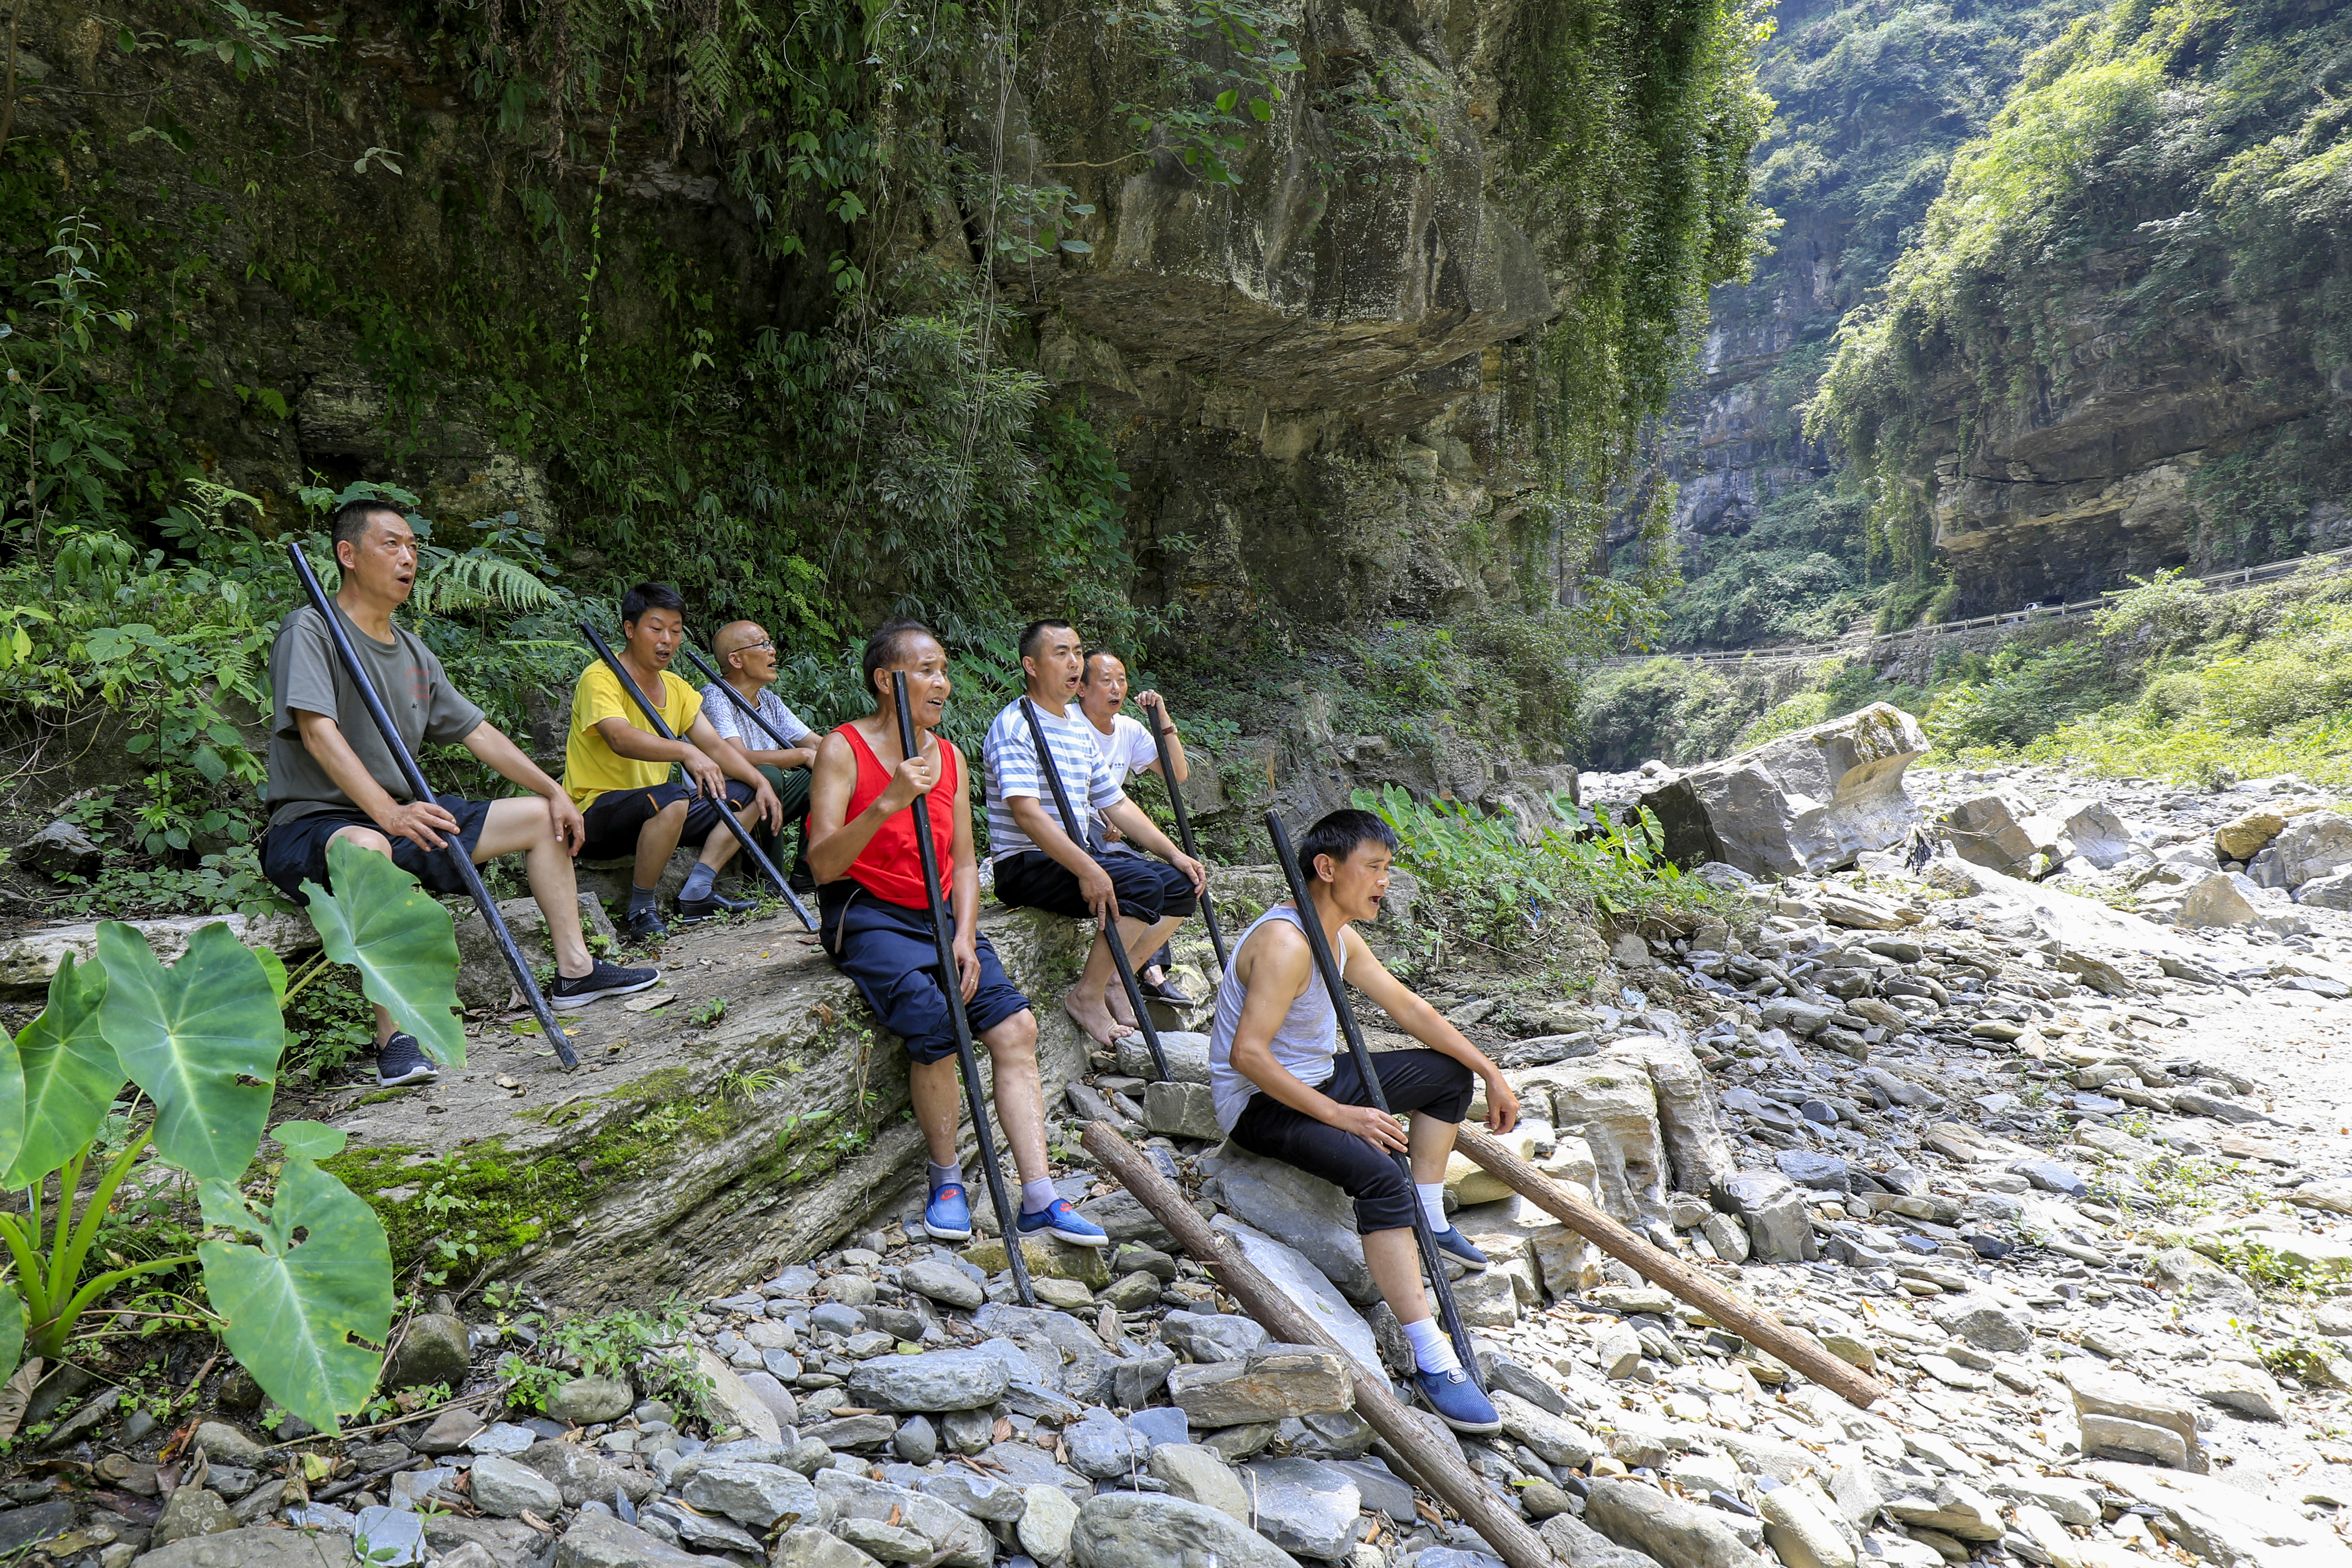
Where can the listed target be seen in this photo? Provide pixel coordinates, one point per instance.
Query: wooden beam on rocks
(1800, 1350)
(1435, 1461)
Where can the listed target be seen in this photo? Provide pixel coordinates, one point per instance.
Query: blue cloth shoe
(1458, 1401)
(1059, 1220)
(1453, 1244)
(948, 1216)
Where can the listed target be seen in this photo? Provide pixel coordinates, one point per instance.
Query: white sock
(1432, 1351)
(1037, 1196)
(945, 1175)
(1433, 1204)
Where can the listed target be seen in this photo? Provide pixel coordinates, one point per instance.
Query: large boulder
(2314, 846)
(1303, 1212)
(2221, 898)
(1803, 804)
(2086, 830)
(1990, 831)
(1611, 1103)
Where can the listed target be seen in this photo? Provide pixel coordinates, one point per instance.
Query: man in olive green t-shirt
(330, 776)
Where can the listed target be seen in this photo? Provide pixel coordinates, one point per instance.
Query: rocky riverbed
(2072, 1181)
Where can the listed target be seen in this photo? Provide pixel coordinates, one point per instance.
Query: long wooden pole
(1435, 1460)
(1800, 1351)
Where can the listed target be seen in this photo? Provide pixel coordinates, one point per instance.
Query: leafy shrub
(1799, 574)
(2019, 696)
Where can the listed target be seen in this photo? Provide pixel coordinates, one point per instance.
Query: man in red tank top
(876, 921)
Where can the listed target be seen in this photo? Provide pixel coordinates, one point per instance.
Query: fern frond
(475, 580)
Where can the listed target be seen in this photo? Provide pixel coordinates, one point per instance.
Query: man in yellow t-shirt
(618, 771)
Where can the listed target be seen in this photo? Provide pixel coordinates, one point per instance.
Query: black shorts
(615, 817)
(294, 851)
(1424, 1081)
(1147, 889)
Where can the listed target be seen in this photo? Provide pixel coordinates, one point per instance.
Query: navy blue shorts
(295, 852)
(617, 817)
(887, 952)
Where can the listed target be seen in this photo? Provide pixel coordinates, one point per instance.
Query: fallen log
(1802, 1352)
(1437, 1461)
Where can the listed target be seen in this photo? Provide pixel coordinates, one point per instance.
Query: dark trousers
(615, 817)
(1147, 889)
(1422, 1081)
(792, 788)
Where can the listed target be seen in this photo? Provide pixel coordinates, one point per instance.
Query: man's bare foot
(1115, 998)
(1089, 1014)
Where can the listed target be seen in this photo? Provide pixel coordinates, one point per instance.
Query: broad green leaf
(70, 1075)
(202, 1038)
(309, 1140)
(294, 1309)
(12, 1331)
(275, 967)
(400, 940)
(12, 1101)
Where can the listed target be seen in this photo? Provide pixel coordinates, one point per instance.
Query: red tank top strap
(890, 867)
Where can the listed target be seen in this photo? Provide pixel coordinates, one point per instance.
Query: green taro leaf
(309, 1140)
(12, 1102)
(202, 1038)
(12, 1332)
(400, 940)
(275, 967)
(294, 1309)
(70, 1075)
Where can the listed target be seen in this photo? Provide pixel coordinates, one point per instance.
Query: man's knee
(673, 813)
(1014, 1039)
(364, 838)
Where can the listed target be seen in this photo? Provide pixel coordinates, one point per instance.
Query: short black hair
(650, 596)
(888, 643)
(350, 523)
(1340, 835)
(1034, 633)
(1087, 662)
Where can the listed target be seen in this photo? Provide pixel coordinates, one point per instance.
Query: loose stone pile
(2005, 1147)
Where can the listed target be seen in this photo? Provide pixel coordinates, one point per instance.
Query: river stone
(582, 1475)
(2221, 898)
(1212, 1336)
(1198, 1475)
(1987, 1327)
(1187, 1053)
(1047, 1523)
(1180, 1110)
(982, 1497)
(1303, 1212)
(960, 1541)
(503, 1488)
(804, 1546)
(935, 1380)
(225, 1444)
(1778, 1228)
(889, 1543)
(2240, 1389)
(759, 1495)
(1287, 1272)
(1144, 1530)
(1276, 1380)
(585, 1401)
(1989, 830)
(191, 1511)
(2315, 845)
(1101, 1446)
(935, 1279)
(435, 1349)
(1799, 805)
(1579, 1545)
(601, 1540)
(256, 1548)
(1046, 1259)
(731, 1402)
(1549, 1437)
(1646, 1520)
(1303, 1506)
(388, 1537)
(2179, 1272)
(2119, 1413)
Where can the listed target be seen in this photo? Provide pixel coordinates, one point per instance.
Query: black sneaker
(401, 1060)
(642, 926)
(1164, 990)
(710, 906)
(604, 980)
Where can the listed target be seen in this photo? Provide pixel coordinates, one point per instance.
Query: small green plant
(637, 1344)
(708, 1013)
(253, 40)
(749, 1085)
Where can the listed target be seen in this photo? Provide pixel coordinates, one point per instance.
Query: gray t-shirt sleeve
(304, 671)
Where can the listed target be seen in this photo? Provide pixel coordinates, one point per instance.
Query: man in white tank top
(1283, 1090)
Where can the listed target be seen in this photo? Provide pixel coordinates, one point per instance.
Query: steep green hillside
(2120, 341)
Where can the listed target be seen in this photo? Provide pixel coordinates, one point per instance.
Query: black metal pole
(421, 790)
(1312, 925)
(1112, 938)
(1159, 734)
(951, 983)
(726, 810)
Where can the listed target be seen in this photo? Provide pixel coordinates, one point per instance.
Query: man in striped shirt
(1037, 863)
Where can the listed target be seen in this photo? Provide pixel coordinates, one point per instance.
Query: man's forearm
(1128, 819)
(1029, 816)
(323, 738)
(495, 750)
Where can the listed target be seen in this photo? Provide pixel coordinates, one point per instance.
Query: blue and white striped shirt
(1010, 755)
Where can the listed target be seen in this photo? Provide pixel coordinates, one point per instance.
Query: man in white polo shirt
(1126, 745)
(1036, 861)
